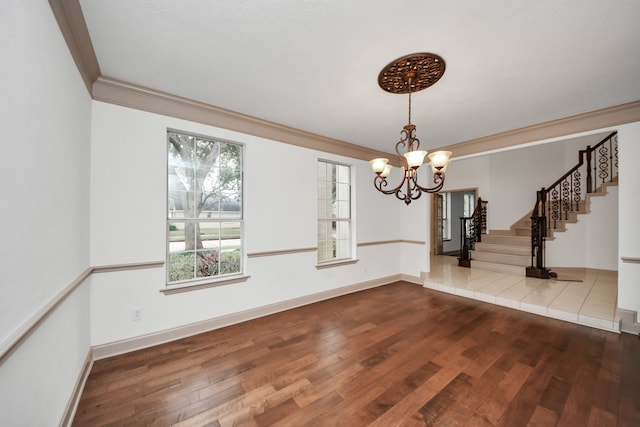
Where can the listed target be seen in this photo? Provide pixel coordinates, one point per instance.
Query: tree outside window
(204, 207)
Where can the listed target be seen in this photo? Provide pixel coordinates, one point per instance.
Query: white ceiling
(313, 64)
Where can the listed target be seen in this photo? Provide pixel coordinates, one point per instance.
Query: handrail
(589, 150)
(564, 196)
(471, 230)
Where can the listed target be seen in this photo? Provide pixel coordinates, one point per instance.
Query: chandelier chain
(409, 102)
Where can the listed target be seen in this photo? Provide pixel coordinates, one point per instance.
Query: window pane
(344, 191)
(342, 249)
(209, 235)
(322, 209)
(343, 174)
(343, 209)
(204, 187)
(322, 190)
(331, 172)
(230, 261)
(330, 193)
(343, 230)
(176, 236)
(322, 230)
(322, 171)
(325, 242)
(181, 266)
(207, 263)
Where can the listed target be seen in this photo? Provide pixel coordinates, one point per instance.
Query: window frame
(335, 260)
(217, 279)
(446, 216)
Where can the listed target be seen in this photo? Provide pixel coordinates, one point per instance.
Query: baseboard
(72, 405)
(629, 321)
(144, 341)
(412, 279)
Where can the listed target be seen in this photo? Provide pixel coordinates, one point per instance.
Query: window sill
(336, 263)
(194, 286)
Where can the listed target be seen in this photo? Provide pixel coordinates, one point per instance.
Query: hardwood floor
(399, 354)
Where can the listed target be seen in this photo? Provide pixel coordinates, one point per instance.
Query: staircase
(509, 251)
(520, 250)
(503, 251)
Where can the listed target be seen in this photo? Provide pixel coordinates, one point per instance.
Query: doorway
(448, 208)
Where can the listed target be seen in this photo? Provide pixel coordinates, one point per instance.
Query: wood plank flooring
(399, 355)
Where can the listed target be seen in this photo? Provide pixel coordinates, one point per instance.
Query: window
(334, 211)
(468, 208)
(469, 202)
(204, 208)
(446, 215)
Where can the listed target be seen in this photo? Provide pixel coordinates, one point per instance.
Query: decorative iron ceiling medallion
(421, 69)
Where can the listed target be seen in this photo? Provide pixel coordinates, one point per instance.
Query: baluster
(566, 199)
(577, 190)
(555, 205)
(595, 170)
(603, 163)
(610, 159)
(616, 152)
(548, 207)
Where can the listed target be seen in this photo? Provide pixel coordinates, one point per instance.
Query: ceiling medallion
(411, 73)
(423, 69)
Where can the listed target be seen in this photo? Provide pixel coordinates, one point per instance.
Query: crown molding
(141, 98)
(597, 119)
(73, 27)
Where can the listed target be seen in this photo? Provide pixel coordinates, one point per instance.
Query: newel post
(589, 178)
(538, 235)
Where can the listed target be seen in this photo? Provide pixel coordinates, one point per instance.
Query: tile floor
(583, 296)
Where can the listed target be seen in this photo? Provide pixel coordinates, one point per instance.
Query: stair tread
(498, 244)
(502, 249)
(500, 236)
(507, 240)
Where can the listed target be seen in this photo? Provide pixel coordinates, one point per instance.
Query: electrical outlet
(136, 314)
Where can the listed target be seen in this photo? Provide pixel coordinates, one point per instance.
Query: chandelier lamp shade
(409, 74)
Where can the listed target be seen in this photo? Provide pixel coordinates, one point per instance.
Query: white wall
(591, 242)
(629, 231)
(128, 205)
(44, 223)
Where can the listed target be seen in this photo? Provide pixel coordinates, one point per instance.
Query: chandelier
(411, 73)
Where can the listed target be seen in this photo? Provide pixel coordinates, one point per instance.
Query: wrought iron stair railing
(596, 166)
(471, 230)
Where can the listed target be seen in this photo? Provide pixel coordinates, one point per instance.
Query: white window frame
(218, 278)
(332, 211)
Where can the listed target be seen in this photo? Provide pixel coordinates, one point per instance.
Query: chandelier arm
(415, 191)
(438, 179)
(379, 183)
(404, 137)
(401, 196)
